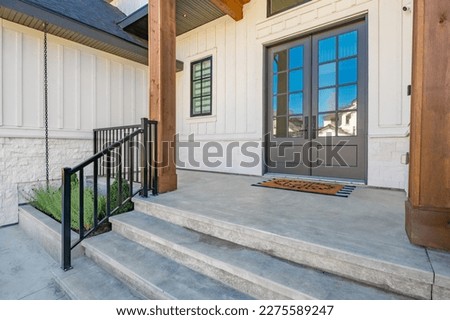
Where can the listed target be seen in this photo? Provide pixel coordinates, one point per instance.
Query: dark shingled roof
(97, 14)
(89, 22)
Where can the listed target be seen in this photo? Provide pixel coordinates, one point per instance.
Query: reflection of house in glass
(295, 127)
(346, 120)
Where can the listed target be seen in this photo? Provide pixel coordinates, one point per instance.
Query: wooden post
(428, 204)
(162, 69)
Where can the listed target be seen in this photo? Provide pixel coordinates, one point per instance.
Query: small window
(201, 87)
(276, 6)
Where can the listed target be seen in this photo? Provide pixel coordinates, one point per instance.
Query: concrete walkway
(25, 268)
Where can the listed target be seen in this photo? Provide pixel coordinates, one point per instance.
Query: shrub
(125, 194)
(49, 201)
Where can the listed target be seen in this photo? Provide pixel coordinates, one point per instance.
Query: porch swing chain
(47, 174)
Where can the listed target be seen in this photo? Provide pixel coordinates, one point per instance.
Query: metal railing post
(144, 132)
(65, 225)
(95, 142)
(144, 157)
(155, 160)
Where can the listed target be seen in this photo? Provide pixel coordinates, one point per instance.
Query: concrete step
(87, 281)
(253, 272)
(151, 274)
(401, 279)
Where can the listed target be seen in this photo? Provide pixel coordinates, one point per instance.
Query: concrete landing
(364, 233)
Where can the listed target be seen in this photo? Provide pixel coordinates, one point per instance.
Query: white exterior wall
(238, 78)
(87, 89)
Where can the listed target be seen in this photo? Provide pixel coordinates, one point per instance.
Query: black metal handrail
(130, 158)
(104, 137)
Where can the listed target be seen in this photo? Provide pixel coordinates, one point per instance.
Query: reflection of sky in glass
(279, 61)
(279, 105)
(347, 71)
(296, 103)
(327, 100)
(346, 96)
(296, 80)
(275, 64)
(275, 105)
(296, 57)
(327, 75)
(275, 84)
(348, 44)
(327, 49)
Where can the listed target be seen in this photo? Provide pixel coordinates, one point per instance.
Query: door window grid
(337, 85)
(287, 95)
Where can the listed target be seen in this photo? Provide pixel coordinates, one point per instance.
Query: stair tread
(87, 281)
(173, 279)
(310, 282)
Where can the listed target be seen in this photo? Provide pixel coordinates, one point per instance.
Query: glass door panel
(317, 109)
(338, 102)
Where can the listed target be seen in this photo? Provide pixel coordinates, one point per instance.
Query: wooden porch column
(162, 69)
(428, 205)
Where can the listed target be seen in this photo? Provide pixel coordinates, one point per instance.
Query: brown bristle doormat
(330, 189)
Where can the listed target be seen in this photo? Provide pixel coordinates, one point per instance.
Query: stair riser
(125, 275)
(237, 278)
(67, 289)
(355, 268)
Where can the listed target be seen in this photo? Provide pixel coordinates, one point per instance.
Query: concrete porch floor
(369, 223)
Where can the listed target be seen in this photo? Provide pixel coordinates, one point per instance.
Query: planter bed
(46, 231)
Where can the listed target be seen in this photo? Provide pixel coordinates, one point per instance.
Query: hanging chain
(47, 173)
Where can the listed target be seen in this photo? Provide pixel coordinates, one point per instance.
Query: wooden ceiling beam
(233, 8)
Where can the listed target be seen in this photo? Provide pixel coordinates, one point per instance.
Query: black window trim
(270, 13)
(210, 58)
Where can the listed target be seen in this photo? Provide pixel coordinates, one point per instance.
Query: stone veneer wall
(22, 167)
(387, 162)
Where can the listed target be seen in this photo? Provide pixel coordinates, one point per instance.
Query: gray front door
(317, 104)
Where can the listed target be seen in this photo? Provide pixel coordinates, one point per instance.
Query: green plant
(125, 194)
(49, 201)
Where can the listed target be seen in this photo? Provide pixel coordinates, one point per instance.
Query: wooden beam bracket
(233, 8)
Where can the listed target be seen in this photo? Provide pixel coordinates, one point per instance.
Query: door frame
(363, 73)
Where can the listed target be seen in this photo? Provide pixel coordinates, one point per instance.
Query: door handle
(306, 124)
(313, 127)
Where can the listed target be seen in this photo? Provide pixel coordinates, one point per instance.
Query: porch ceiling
(67, 22)
(190, 14)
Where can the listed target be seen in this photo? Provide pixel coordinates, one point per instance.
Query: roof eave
(90, 36)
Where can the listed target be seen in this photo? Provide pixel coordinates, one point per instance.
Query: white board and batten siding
(238, 50)
(87, 89)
